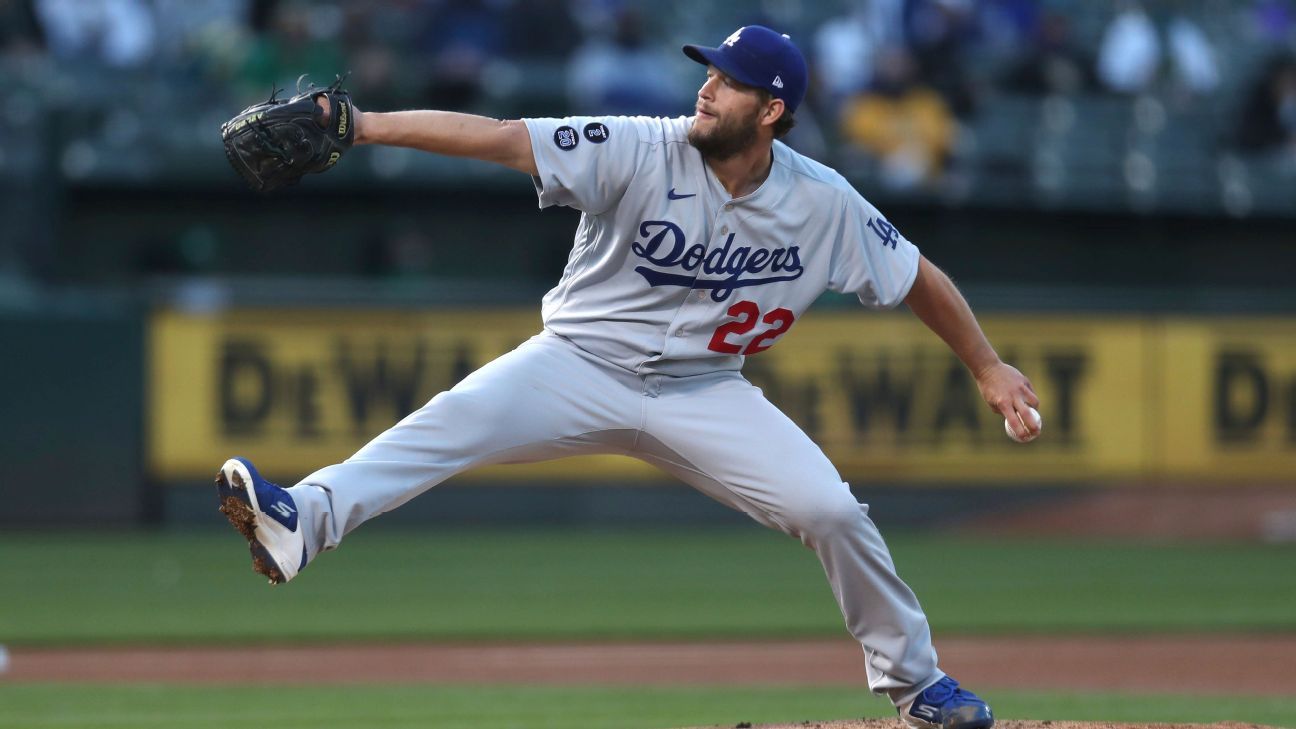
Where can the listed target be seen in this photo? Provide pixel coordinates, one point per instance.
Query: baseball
(1031, 413)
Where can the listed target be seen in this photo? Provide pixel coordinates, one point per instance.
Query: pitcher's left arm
(937, 302)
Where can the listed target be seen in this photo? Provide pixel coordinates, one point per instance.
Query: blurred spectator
(560, 37)
(20, 34)
(182, 23)
(1130, 53)
(299, 40)
(1273, 21)
(1268, 121)
(908, 127)
(375, 77)
(940, 35)
(375, 40)
(1131, 56)
(1195, 63)
(1053, 63)
(845, 46)
(1007, 26)
(843, 56)
(461, 38)
(624, 74)
(201, 40)
(116, 33)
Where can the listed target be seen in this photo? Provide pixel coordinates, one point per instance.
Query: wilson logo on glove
(342, 121)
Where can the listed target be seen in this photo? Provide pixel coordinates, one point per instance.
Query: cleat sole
(236, 506)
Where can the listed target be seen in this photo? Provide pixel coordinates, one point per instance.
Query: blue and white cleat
(266, 516)
(944, 705)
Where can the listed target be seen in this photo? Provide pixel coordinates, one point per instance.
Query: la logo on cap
(777, 82)
(734, 38)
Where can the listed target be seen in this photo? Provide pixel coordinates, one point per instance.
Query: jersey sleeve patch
(565, 138)
(885, 231)
(584, 163)
(596, 132)
(872, 259)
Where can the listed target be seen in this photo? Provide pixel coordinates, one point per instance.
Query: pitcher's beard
(725, 140)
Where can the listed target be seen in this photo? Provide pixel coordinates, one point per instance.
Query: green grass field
(556, 585)
(536, 584)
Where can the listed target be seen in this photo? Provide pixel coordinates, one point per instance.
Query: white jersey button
(724, 230)
(681, 332)
(728, 206)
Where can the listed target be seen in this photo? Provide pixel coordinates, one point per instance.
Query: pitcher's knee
(828, 519)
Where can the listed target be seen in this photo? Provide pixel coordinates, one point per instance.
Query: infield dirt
(1151, 664)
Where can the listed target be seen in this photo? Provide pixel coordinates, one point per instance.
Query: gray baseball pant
(716, 432)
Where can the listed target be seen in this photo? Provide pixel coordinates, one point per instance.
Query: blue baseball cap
(757, 56)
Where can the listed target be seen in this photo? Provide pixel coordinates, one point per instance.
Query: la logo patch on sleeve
(885, 231)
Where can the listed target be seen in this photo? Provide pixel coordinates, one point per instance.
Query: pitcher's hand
(1008, 392)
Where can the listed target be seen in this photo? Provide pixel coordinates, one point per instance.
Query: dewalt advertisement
(1229, 402)
(1124, 399)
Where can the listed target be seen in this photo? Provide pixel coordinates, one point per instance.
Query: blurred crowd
(897, 82)
(900, 78)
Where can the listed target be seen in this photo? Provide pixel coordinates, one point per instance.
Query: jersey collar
(770, 192)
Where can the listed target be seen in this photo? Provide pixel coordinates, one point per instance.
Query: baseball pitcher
(702, 241)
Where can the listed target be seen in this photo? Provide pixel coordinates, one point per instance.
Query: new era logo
(778, 82)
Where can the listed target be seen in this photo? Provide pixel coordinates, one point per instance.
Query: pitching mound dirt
(896, 724)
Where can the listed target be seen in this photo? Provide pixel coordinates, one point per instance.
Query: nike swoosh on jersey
(672, 195)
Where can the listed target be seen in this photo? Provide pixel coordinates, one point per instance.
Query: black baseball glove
(274, 143)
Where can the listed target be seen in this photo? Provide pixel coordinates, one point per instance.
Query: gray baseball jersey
(669, 285)
(669, 275)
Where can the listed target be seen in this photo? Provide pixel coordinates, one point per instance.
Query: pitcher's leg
(728, 441)
(542, 400)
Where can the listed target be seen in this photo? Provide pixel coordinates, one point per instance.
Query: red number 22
(747, 314)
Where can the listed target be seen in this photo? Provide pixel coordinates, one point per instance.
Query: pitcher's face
(727, 116)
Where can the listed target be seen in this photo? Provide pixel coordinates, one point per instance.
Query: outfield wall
(71, 435)
(1126, 399)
